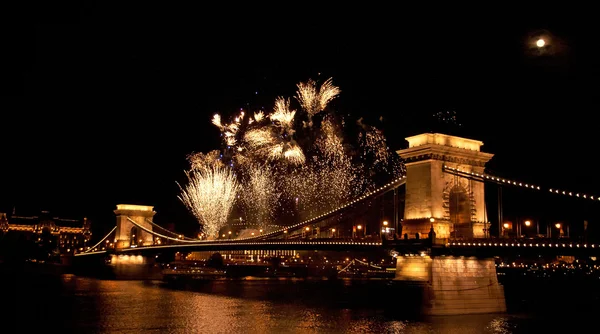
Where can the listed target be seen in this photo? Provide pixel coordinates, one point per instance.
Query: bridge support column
(454, 206)
(127, 233)
(134, 267)
(453, 285)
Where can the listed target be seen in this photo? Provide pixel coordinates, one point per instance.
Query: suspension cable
(165, 230)
(372, 194)
(161, 235)
(346, 267)
(368, 264)
(101, 241)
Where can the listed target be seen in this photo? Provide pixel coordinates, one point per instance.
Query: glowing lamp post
(385, 228)
(506, 227)
(305, 232)
(559, 227)
(528, 223)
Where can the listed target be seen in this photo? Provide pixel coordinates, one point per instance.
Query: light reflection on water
(86, 305)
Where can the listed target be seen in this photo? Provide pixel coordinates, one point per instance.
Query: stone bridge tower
(453, 205)
(127, 233)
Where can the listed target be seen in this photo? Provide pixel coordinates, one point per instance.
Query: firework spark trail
(259, 116)
(373, 147)
(326, 180)
(259, 138)
(201, 161)
(293, 153)
(327, 92)
(229, 131)
(210, 195)
(314, 101)
(282, 115)
(329, 142)
(260, 193)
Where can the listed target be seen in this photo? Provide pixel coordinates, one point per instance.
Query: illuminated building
(61, 235)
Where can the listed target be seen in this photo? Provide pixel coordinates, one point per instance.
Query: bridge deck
(472, 247)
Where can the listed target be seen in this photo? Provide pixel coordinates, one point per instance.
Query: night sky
(101, 104)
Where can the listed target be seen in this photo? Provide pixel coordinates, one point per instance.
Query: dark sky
(101, 103)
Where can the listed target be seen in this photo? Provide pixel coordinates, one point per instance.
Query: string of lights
(518, 244)
(258, 243)
(500, 180)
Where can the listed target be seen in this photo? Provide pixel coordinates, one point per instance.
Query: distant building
(65, 236)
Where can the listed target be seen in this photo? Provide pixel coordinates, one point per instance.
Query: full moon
(540, 42)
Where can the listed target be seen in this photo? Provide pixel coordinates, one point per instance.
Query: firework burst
(314, 100)
(289, 164)
(210, 195)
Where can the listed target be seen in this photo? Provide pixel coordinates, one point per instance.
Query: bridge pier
(453, 285)
(117, 266)
(134, 267)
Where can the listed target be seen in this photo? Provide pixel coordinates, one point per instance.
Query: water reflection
(84, 305)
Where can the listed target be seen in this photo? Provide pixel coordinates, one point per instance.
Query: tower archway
(454, 206)
(140, 214)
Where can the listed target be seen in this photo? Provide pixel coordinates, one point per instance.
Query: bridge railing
(514, 239)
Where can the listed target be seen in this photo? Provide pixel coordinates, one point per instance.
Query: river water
(72, 304)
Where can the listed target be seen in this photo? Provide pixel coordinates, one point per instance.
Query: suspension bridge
(454, 212)
(438, 232)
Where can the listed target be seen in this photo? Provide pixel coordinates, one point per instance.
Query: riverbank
(34, 268)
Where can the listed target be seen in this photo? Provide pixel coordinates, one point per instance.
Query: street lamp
(559, 228)
(384, 229)
(537, 227)
(333, 232)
